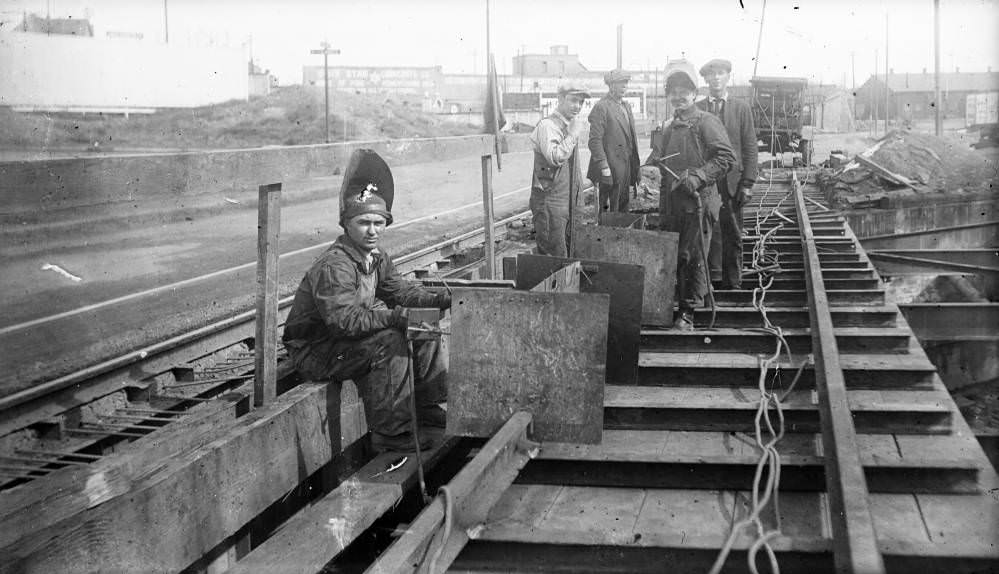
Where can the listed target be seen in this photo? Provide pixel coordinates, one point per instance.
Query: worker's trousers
(378, 365)
(614, 197)
(725, 257)
(551, 221)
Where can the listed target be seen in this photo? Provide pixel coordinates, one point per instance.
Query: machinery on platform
(779, 112)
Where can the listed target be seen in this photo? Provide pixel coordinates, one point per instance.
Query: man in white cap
(725, 257)
(349, 321)
(556, 179)
(692, 151)
(613, 146)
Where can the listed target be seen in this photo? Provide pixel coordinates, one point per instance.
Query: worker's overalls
(680, 212)
(551, 191)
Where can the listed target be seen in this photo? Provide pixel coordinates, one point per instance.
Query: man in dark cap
(349, 320)
(557, 178)
(692, 151)
(725, 257)
(614, 158)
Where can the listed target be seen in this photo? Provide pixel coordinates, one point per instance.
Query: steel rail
(854, 541)
(405, 263)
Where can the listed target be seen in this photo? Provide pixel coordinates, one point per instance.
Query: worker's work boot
(398, 443)
(684, 321)
(432, 416)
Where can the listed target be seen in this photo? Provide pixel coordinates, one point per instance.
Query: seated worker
(692, 151)
(349, 320)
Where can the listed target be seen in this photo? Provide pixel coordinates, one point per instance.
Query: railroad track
(877, 469)
(128, 397)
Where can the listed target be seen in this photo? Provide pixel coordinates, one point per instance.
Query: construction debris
(903, 164)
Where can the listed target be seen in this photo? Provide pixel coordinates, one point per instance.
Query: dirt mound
(935, 162)
(906, 163)
(288, 116)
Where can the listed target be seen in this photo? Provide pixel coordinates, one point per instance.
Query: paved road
(114, 266)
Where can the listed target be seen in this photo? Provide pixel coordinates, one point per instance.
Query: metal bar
(265, 345)
(152, 411)
(104, 433)
(140, 418)
(59, 453)
(42, 460)
(855, 544)
(472, 494)
(208, 381)
(17, 468)
(919, 265)
(125, 426)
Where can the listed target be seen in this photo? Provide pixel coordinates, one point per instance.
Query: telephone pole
(325, 50)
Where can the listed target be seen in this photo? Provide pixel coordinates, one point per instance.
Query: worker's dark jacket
(613, 146)
(738, 121)
(340, 299)
(694, 140)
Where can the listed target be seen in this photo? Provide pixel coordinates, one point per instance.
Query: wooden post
(265, 345)
(487, 208)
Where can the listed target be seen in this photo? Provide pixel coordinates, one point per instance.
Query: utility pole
(325, 50)
(166, 24)
(522, 68)
(873, 94)
(886, 73)
(620, 38)
(759, 39)
(937, 118)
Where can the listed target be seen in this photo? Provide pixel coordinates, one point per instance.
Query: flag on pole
(494, 120)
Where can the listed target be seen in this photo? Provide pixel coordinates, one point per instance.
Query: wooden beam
(473, 492)
(487, 216)
(268, 250)
(178, 511)
(855, 543)
(68, 492)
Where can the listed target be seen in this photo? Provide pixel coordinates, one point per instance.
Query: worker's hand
(399, 318)
(577, 127)
(443, 300)
(605, 176)
(690, 182)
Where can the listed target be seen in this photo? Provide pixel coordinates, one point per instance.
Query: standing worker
(557, 178)
(692, 151)
(725, 257)
(614, 158)
(341, 325)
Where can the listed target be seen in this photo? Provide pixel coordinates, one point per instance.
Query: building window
(544, 66)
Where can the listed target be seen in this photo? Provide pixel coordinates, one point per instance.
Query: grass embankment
(288, 116)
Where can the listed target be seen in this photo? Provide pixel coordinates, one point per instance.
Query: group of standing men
(706, 155)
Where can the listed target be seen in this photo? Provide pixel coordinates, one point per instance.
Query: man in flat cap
(725, 256)
(692, 152)
(614, 158)
(349, 321)
(557, 178)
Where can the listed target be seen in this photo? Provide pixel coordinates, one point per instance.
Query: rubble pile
(906, 163)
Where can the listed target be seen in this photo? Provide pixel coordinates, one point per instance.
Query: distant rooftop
(36, 24)
(952, 81)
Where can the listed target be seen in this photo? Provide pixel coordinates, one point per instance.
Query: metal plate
(623, 282)
(542, 352)
(622, 219)
(653, 250)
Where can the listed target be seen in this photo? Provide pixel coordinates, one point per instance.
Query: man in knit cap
(349, 320)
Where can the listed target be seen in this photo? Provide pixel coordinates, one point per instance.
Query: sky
(827, 41)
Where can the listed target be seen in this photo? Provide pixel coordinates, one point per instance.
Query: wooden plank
(849, 339)
(564, 280)
(320, 532)
(542, 352)
(68, 492)
(487, 216)
(624, 283)
(472, 495)
(655, 251)
(268, 250)
(182, 509)
(855, 546)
